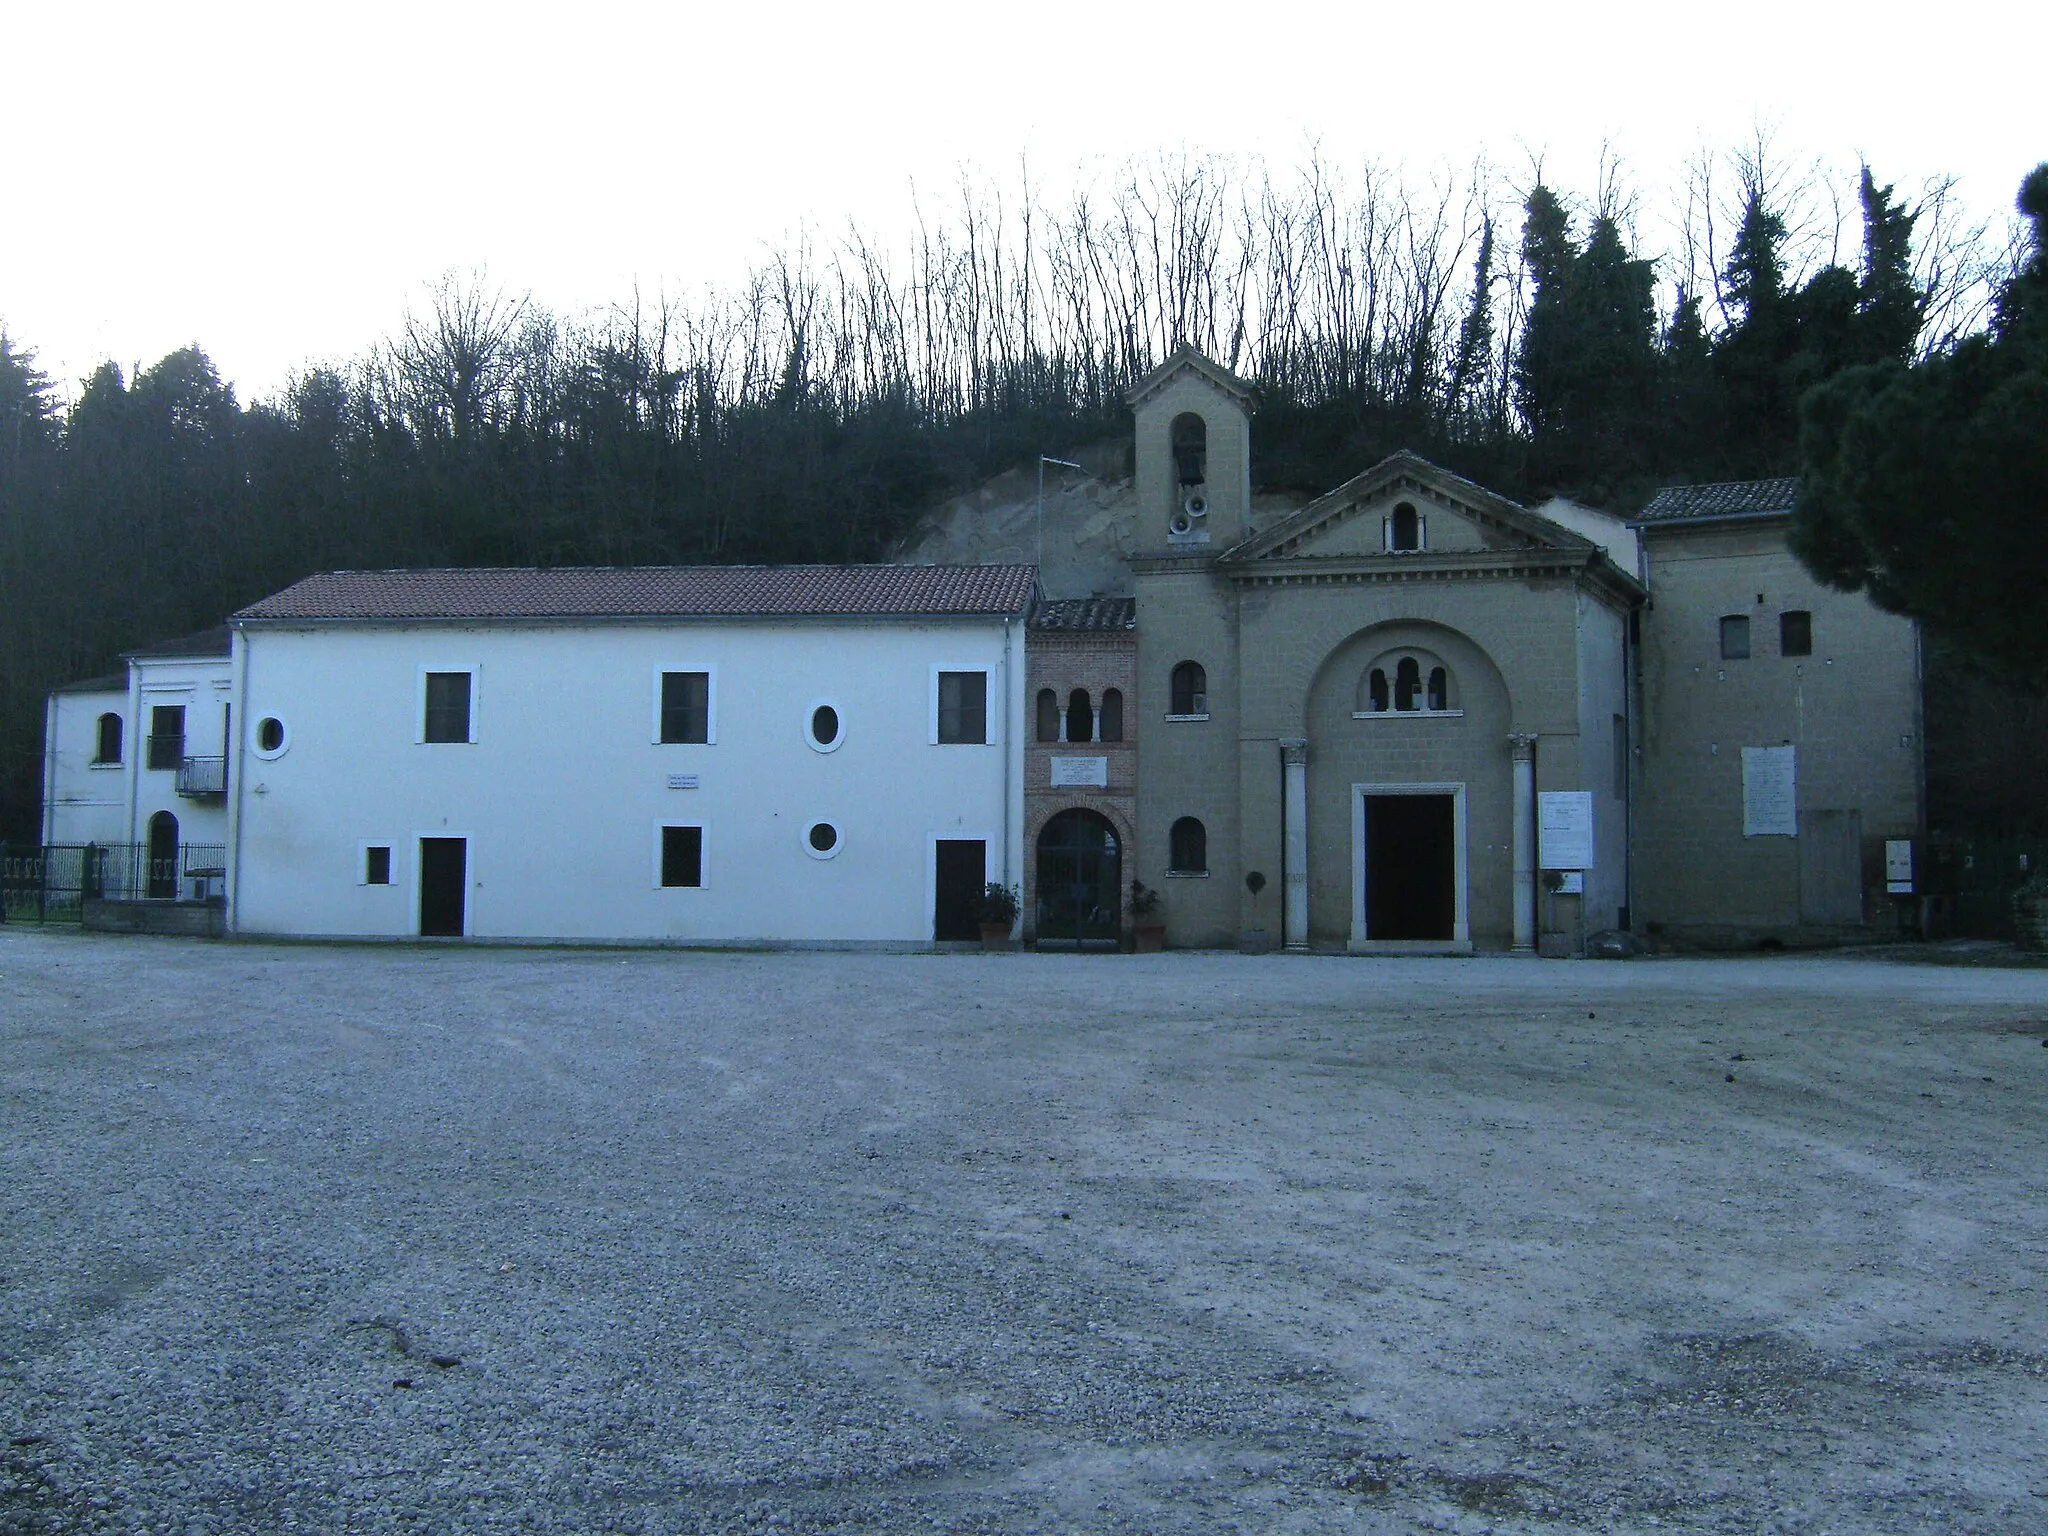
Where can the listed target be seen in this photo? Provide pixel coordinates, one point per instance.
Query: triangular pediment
(1457, 516)
(1185, 359)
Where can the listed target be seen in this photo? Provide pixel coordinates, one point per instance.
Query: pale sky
(278, 182)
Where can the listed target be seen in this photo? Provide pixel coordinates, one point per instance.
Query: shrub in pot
(998, 913)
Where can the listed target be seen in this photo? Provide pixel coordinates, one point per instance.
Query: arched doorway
(1080, 882)
(162, 882)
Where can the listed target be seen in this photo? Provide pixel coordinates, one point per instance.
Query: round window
(821, 840)
(271, 737)
(823, 731)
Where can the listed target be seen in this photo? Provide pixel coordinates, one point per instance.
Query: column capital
(1523, 746)
(1293, 750)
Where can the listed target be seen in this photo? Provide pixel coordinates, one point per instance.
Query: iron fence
(52, 883)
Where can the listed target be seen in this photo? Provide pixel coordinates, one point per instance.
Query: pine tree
(1927, 485)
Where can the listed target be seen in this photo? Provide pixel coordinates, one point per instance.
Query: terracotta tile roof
(1729, 498)
(671, 591)
(208, 642)
(1086, 613)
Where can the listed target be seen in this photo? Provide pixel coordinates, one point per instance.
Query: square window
(682, 856)
(963, 708)
(167, 736)
(1735, 637)
(376, 866)
(447, 706)
(1795, 633)
(686, 707)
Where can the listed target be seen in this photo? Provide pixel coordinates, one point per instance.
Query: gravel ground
(445, 1240)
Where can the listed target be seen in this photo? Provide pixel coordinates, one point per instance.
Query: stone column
(1524, 750)
(1294, 806)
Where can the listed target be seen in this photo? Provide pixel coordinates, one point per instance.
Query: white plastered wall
(562, 790)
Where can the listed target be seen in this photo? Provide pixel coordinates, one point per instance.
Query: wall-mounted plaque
(1770, 791)
(1564, 829)
(1080, 773)
(682, 781)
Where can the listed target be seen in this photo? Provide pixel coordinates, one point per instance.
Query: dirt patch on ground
(1014, 1243)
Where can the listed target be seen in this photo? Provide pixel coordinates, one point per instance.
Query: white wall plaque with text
(1080, 773)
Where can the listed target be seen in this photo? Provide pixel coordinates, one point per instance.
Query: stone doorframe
(1460, 941)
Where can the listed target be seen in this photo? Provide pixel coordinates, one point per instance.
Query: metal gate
(1080, 882)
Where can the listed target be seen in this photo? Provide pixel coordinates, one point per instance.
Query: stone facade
(1294, 762)
(1846, 700)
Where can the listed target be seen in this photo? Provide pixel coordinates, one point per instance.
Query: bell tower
(1193, 455)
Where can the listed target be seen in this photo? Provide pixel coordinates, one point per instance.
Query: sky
(279, 182)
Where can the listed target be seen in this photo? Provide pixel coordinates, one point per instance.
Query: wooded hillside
(1532, 341)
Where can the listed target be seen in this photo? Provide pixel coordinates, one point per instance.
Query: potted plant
(2030, 912)
(1148, 929)
(998, 913)
(1254, 940)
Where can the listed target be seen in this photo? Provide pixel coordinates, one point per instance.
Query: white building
(823, 754)
(136, 764)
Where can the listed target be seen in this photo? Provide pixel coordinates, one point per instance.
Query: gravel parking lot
(364, 1239)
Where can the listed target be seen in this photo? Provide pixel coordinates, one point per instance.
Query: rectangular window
(682, 856)
(1795, 633)
(447, 706)
(376, 866)
(686, 707)
(963, 707)
(1735, 637)
(167, 736)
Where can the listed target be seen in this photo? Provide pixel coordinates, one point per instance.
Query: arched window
(1188, 848)
(1190, 449)
(1404, 529)
(1080, 718)
(1048, 715)
(1111, 722)
(1407, 683)
(1190, 690)
(108, 747)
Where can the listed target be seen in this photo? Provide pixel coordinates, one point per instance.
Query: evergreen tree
(1889, 305)
(1751, 353)
(1927, 485)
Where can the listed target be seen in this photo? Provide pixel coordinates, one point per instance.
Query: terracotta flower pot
(995, 935)
(1148, 938)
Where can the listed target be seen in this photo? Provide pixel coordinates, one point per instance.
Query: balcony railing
(203, 776)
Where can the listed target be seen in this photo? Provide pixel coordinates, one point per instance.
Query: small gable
(1407, 506)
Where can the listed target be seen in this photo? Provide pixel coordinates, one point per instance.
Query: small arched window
(1404, 528)
(1407, 683)
(1110, 724)
(1190, 690)
(1410, 682)
(107, 748)
(1188, 848)
(1080, 717)
(1048, 715)
(1190, 449)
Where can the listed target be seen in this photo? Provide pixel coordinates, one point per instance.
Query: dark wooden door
(444, 883)
(962, 875)
(162, 882)
(1411, 879)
